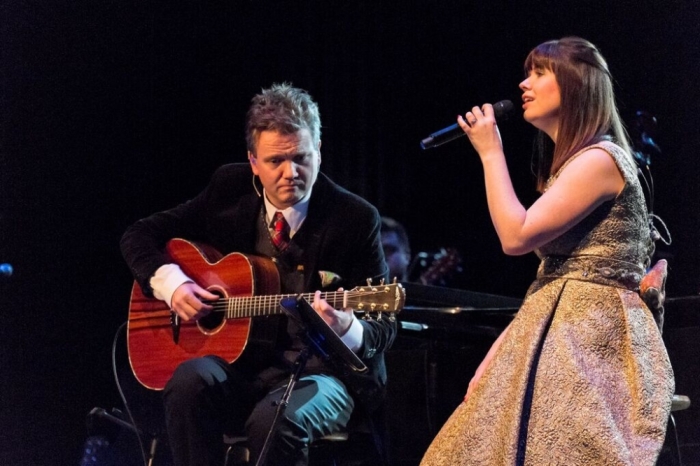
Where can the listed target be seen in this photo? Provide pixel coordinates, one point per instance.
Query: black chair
(363, 443)
(339, 449)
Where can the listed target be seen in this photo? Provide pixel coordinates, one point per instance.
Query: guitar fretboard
(256, 306)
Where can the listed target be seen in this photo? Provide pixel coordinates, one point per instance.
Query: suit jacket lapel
(321, 200)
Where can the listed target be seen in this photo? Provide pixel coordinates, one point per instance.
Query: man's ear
(253, 162)
(319, 151)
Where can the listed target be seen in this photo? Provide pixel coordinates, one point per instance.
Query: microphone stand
(299, 365)
(318, 337)
(101, 413)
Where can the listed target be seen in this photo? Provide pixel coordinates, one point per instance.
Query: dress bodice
(618, 230)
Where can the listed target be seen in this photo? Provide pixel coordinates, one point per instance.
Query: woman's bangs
(541, 57)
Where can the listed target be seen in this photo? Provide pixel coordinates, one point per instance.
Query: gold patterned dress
(582, 376)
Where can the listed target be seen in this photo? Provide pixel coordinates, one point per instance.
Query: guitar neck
(256, 306)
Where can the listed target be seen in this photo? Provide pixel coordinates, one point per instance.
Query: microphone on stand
(501, 111)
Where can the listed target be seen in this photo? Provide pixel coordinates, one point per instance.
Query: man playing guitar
(329, 240)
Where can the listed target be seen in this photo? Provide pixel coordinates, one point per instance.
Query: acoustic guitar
(245, 285)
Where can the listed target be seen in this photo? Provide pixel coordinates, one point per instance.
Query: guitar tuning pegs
(379, 316)
(392, 317)
(369, 282)
(381, 282)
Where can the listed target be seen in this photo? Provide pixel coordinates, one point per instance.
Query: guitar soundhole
(213, 321)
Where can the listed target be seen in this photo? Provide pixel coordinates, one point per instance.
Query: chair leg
(237, 453)
(672, 423)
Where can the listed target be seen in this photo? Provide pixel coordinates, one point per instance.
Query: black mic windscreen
(502, 109)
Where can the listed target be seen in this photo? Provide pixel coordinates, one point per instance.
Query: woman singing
(581, 375)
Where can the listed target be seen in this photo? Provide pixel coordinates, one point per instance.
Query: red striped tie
(280, 237)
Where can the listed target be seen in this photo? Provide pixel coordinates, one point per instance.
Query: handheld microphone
(501, 110)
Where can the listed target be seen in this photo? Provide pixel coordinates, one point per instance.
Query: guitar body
(153, 353)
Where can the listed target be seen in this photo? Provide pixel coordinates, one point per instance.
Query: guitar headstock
(377, 299)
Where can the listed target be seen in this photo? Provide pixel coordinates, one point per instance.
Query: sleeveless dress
(582, 376)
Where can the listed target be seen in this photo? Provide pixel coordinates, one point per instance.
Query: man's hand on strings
(187, 301)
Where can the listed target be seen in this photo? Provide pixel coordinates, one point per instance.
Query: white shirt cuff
(166, 280)
(353, 337)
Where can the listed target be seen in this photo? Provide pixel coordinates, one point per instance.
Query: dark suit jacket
(340, 235)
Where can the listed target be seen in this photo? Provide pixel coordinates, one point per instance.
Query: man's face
(287, 165)
(397, 258)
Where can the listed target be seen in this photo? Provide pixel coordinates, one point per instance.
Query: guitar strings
(228, 304)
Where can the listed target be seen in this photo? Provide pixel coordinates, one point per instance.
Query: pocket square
(328, 278)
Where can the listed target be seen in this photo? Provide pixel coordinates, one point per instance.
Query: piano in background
(436, 312)
(443, 335)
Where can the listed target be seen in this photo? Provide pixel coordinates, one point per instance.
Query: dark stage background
(111, 110)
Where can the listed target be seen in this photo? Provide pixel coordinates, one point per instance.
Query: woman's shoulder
(594, 171)
(622, 158)
(601, 152)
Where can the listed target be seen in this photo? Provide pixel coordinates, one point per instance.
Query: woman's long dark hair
(588, 113)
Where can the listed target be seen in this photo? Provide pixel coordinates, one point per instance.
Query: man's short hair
(284, 109)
